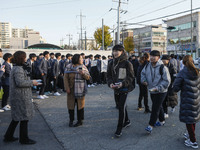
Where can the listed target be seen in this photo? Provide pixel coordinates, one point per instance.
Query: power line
(36, 5)
(157, 10)
(163, 17)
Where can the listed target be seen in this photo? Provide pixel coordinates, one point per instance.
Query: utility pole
(69, 39)
(191, 32)
(119, 10)
(102, 35)
(85, 41)
(81, 28)
(113, 35)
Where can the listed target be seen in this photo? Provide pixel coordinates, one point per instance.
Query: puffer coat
(189, 85)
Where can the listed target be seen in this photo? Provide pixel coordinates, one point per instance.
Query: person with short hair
(20, 98)
(120, 76)
(5, 81)
(31, 62)
(75, 85)
(188, 82)
(156, 76)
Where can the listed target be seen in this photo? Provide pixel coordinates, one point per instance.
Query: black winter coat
(189, 84)
(121, 70)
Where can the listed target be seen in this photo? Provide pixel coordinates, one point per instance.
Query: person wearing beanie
(156, 76)
(120, 77)
(172, 98)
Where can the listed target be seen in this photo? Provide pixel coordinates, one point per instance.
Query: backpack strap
(161, 69)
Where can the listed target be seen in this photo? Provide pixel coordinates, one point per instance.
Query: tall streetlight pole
(118, 23)
(102, 34)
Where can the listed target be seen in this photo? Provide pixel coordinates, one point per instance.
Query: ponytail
(188, 62)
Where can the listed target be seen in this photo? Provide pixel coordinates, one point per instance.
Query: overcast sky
(56, 18)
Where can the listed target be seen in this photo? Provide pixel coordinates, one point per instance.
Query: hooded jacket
(154, 79)
(189, 85)
(121, 70)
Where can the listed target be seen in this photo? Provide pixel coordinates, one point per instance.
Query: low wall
(63, 52)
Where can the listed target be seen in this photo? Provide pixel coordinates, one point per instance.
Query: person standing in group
(171, 98)
(120, 76)
(173, 61)
(156, 76)
(55, 70)
(143, 88)
(20, 97)
(75, 77)
(5, 81)
(31, 64)
(43, 70)
(188, 82)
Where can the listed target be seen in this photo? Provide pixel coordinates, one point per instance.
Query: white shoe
(166, 115)
(186, 135)
(89, 86)
(173, 110)
(6, 108)
(191, 144)
(40, 97)
(56, 94)
(92, 85)
(1, 110)
(45, 96)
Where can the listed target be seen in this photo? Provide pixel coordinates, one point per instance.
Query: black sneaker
(118, 133)
(127, 124)
(147, 111)
(28, 142)
(71, 124)
(13, 139)
(78, 124)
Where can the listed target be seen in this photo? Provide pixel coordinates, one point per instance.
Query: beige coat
(69, 79)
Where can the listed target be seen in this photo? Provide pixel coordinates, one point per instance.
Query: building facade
(179, 35)
(150, 38)
(5, 34)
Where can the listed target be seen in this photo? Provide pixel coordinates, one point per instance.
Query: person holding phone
(20, 98)
(120, 77)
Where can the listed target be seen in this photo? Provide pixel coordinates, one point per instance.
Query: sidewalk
(38, 131)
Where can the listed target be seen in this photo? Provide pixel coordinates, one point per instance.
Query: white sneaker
(166, 115)
(92, 85)
(6, 108)
(191, 144)
(186, 135)
(56, 94)
(89, 86)
(40, 97)
(45, 96)
(1, 110)
(173, 110)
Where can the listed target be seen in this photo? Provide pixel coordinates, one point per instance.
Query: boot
(71, 117)
(79, 116)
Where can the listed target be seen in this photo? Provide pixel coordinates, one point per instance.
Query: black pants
(95, 75)
(43, 86)
(48, 84)
(23, 132)
(157, 109)
(5, 95)
(55, 82)
(143, 94)
(165, 104)
(123, 115)
(103, 77)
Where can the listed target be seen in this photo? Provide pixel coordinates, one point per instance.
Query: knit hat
(155, 53)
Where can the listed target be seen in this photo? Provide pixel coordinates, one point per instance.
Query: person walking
(120, 77)
(143, 88)
(188, 82)
(20, 97)
(156, 76)
(75, 77)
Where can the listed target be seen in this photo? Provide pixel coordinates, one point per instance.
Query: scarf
(80, 86)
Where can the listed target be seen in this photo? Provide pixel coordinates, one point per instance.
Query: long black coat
(189, 84)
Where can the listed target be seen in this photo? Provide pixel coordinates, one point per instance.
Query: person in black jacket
(55, 73)
(32, 65)
(120, 76)
(171, 98)
(188, 82)
(43, 70)
(143, 88)
(5, 81)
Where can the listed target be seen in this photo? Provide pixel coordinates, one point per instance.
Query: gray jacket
(20, 95)
(154, 79)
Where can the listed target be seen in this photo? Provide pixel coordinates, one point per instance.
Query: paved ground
(100, 123)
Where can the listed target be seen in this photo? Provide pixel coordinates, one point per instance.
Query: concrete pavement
(100, 123)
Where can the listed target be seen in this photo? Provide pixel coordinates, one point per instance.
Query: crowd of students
(160, 76)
